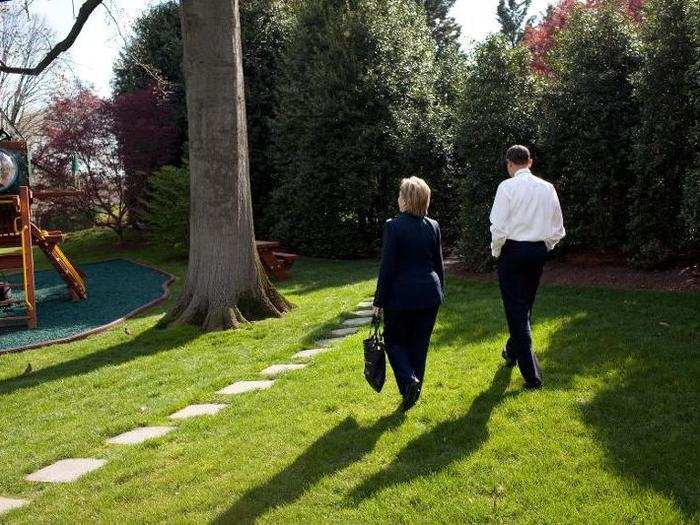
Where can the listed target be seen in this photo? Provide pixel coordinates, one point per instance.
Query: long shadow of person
(341, 446)
(446, 443)
(644, 411)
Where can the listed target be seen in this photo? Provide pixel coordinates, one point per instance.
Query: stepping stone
(139, 435)
(342, 332)
(357, 321)
(365, 304)
(362, 313)
(309, 354)
(8, 504)
(275, 370)
(241, 387)
(325, 343)
(206, 409)
(66, 470)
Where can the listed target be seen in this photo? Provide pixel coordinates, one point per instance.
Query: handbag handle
(376, 327)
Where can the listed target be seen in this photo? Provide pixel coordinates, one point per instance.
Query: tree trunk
(226, 284)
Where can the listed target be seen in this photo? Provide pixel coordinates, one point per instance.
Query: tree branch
(83, 14)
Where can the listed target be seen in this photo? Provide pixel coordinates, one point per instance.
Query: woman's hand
(376, 311)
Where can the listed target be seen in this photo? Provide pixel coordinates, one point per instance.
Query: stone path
(69, 470)
(357, 321)
(276, 370)
(205, 409)
(325, 343)
(8, 504)
(309, 354)
(241, 387)
(66, 470)
(342, 332)
(139, 435)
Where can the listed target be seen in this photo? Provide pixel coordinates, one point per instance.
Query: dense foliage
(151, 61)
(589, 116)
(346, 97)
(78, 152)
(167, 209)
(444, 28)
(541, 37)
(664, 151)
(498, 109)
(147, 138)
(514, 19)
(357, 111)
(150, 66)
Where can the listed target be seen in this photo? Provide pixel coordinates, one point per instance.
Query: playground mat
(116, 289)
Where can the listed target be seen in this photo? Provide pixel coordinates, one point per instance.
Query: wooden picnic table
(275, 262)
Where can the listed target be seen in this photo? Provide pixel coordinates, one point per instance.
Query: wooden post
(27, 255)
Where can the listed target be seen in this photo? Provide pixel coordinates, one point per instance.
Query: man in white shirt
(526, 223)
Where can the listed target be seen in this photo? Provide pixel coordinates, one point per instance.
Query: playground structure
(18, 231)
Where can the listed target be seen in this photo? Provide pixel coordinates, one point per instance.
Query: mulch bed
(608, 271)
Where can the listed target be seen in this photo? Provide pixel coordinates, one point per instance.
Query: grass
(611, 438)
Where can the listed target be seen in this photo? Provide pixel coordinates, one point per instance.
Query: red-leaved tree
(540, 37)
(78, 151)
(147, 138)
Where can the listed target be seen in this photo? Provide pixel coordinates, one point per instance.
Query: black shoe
(411, 396)
(510, 362)
(533, 386)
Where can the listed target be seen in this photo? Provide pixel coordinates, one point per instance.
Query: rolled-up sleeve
(387, 268)
(499, 216)
(557, 223)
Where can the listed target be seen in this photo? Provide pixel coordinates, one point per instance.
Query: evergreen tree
(690, 208)
(154, 54)
(664, 150)
(589, 118)
(357, 111)
(444, 27)
(498, 109)
(512, 15)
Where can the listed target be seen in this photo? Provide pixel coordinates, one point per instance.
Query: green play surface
(116, 289)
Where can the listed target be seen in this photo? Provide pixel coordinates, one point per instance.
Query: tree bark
(226, 284)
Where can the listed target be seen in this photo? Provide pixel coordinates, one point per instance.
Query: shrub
(663, 152)
(590, 115)
(497, 110)
(154, 53)
(357, 111)
(690, 212)
(167, 209)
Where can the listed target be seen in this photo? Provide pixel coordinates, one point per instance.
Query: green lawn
(611, 438)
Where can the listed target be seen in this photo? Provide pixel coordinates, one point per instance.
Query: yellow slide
(74, 278)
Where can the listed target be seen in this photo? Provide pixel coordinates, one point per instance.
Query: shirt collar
(523, 171)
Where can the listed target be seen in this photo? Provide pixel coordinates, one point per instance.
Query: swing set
(19, 234)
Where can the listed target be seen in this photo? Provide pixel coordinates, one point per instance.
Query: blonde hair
(414, 194)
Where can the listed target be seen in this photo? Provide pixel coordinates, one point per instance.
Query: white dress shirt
(526, 208)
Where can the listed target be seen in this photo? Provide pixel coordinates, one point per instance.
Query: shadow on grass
(646, 411)
(446, 443)
(338, 448)
(150, 342)
(313, 275)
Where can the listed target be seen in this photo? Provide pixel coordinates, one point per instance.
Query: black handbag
(375, 358)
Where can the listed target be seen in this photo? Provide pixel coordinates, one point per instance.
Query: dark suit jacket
(411, 275)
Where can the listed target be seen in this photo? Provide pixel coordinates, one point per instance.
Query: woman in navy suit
(410, 286)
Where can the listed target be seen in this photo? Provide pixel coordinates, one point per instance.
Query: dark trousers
(407, 336)
(519, 270)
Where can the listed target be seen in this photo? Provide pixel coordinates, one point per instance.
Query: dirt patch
(603, 271)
